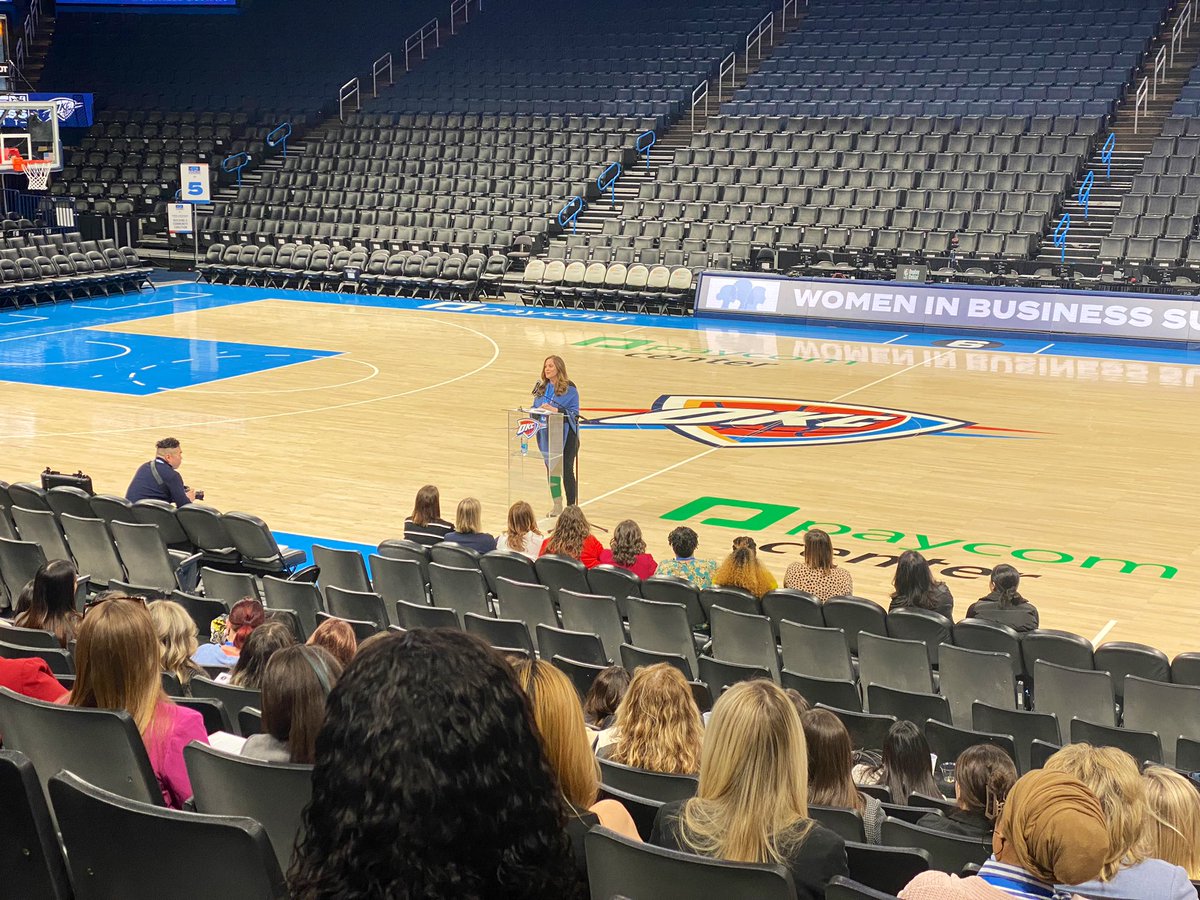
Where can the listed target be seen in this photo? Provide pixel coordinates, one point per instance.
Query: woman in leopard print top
(817, 575)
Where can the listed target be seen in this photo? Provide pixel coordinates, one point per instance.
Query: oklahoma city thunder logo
(527, 428)
(770, 422)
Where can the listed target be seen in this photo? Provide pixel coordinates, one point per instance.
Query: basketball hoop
(37, 171)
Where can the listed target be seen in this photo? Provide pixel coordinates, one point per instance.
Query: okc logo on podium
(526, 428)
(770, 422)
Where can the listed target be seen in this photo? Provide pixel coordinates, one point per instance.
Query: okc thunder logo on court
(527, 428)
(769, 422)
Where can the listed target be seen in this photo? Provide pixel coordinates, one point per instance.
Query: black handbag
(52, 479)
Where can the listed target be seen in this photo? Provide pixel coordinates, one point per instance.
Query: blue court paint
(305, 542)
(137, 364)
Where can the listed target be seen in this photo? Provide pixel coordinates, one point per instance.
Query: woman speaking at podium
(556, 393)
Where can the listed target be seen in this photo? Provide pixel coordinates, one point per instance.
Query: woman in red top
(629, 550)
(572, 536)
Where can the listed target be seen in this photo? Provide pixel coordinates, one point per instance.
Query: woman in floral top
(699, 572)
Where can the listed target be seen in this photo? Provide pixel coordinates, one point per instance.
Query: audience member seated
(1174, 834)
(752, 802)
(983, 776)
(572, 536)
(158, 478)
(117, 660)
(426, 525)
(559, 721)
(1003, 603)
(906, 767)
(336, 636)
(177, 636)
(395, 812)
(604, 696)
(52, 603)
(816, 574)
(468, 528)
(799, 701)
(521, 535)
(830, 760)
(295, 684)
(229, 636)
(1129, 872)
(1052, 831)
(264, 642)
(683, 541)
(628, 550)
(741, 569)
(31, 678)
(914, 587)
(658, 726)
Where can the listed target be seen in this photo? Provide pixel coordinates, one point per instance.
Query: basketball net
(37, 171)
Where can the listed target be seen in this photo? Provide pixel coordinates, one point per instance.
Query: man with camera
(158, 480)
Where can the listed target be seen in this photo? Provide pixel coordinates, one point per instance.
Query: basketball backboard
(30, 128)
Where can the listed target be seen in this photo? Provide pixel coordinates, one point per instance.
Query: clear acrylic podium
(535, 459)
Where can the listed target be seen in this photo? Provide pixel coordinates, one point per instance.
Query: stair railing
(699, 95)
(430, 31)
(349, 93)
(278, 136)
(1140, 101)
(728, 67)
(755, 38)
(1160, 70)
(645, 141)
(1182, 27)
(463, 7)
(570, 212)
(236, 163)
(608, 180)
(381, 66)
(794, 6)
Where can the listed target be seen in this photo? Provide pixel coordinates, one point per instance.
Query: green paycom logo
(642, 348)
(750, 516)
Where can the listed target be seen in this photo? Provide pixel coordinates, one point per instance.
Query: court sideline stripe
(1103, 633)
(711, 450)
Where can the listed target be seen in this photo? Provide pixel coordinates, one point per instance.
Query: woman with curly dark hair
(628, 550)
(430, 781)
(916, 588)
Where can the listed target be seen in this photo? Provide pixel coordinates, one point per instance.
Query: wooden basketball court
(1075, 463)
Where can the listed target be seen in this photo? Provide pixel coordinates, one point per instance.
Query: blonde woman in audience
(177, 634)
(741, 569)
(117, 660)
(1129, 872)
(468, 527)
(521, 534)
(337, 637)
(752, 802)
(559, 720)
(1174, 834)
(572, 536)
(658, 726)
(830, 759)
(816, 574)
